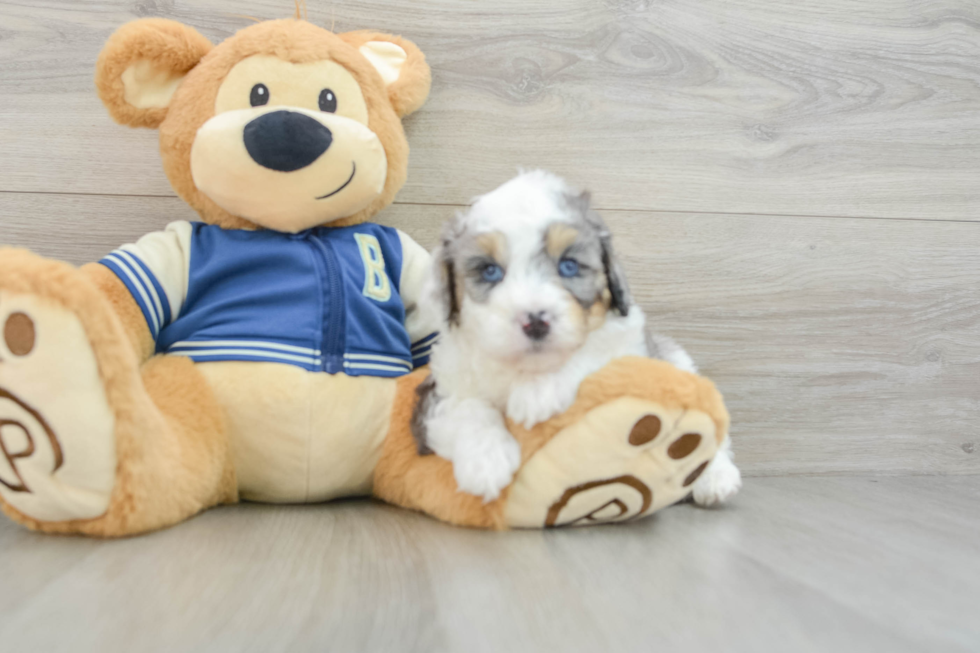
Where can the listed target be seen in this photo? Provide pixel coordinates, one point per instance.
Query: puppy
(532, 301)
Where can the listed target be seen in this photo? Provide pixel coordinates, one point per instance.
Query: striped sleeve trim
(425, 352)
(422, 350)
(425, 342)
(143, 286)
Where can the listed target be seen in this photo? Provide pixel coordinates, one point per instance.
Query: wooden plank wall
(795, 191)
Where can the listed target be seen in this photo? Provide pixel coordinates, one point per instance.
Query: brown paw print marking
(684, 445)
(19, 334)
(645, 430)
(693, 476)
(600, 514)
(28, 450)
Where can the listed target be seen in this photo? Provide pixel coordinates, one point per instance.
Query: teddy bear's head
(283, 126)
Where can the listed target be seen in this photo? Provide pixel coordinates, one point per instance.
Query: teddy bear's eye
(259, 95)
(328, 101)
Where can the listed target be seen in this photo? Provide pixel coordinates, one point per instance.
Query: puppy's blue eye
(492, 273)
(567, 267)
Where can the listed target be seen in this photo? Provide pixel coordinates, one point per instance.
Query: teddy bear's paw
(57, 444)
(624, 459)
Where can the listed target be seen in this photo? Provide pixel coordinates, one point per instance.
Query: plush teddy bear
(269, 352)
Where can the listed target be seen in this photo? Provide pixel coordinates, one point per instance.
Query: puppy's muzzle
(286, 140)
(536, 326)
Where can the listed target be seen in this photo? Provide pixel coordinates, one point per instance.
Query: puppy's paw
(484, 464)
(720, 481)
(538, 401)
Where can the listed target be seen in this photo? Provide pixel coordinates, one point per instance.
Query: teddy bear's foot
(57, 444)
(91, 441)
(623, 459)
(636, 440)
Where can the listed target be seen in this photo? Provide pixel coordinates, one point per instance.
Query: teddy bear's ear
(141, 66)
(401, 65)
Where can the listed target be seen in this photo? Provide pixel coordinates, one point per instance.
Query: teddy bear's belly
(300, 436)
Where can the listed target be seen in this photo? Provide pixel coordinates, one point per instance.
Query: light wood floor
(795, 191)
(795, 564)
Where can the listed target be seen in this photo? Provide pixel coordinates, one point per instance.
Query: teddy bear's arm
(146, 283)
(125, 308)
(421, 323)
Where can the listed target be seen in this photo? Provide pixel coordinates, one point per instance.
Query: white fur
(537, 397)
(471, 433)
(721, 480)
(485, 366)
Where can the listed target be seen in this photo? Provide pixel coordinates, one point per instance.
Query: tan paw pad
(57, 446)
(622, 460)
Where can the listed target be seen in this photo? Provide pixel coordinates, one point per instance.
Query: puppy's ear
(444, 285)
(401, 65)
(441, 290)
(451, 289)
(619, 292)
(141, 66)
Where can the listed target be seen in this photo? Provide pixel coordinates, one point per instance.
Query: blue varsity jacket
(327, 299)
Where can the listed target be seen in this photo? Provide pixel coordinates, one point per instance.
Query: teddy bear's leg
(90, 441)
(639, 435)
(425, 483)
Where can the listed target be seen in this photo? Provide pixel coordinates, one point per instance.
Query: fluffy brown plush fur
(174, 46)
(121, 301)
(173, 456)
(171, 445)
(182, 49)
(426, 483)
(409, 92)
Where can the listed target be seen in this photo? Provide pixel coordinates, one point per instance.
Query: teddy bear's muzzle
(288, 168)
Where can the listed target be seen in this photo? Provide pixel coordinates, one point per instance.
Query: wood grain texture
(763, 106)
(706, 130)
(795, 564)
(841, 345)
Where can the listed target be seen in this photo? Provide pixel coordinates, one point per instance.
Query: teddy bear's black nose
(286, 140)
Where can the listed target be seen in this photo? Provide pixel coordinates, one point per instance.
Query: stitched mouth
(343, 185)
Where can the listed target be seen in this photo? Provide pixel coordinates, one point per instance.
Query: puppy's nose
(286, 140)
(535, 326)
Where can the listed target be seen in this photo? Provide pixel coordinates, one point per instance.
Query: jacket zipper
(332, 348)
